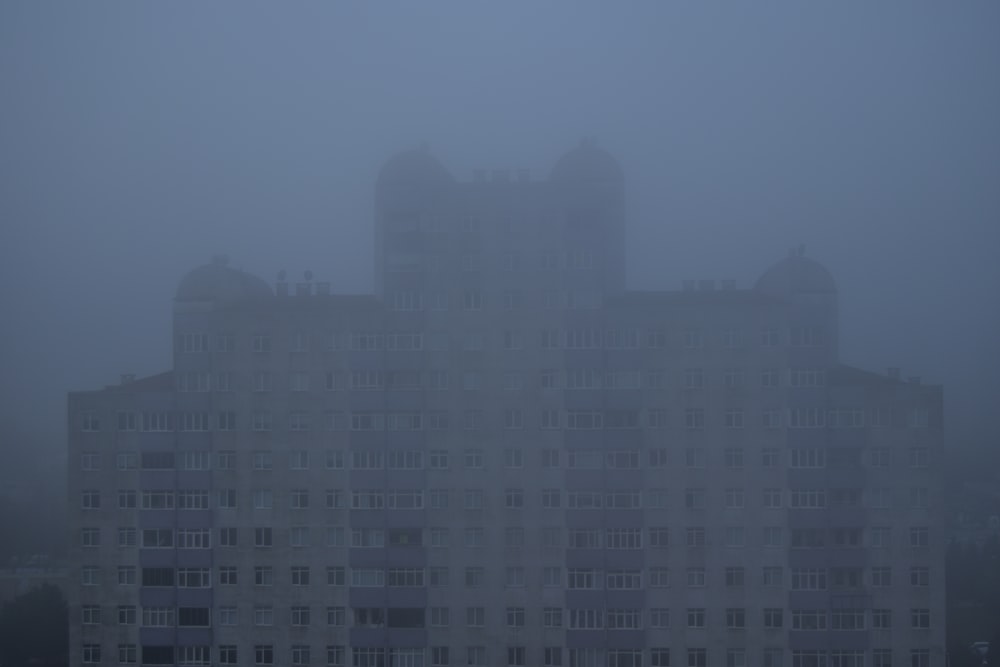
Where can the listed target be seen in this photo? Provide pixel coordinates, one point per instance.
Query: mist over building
(506, 457)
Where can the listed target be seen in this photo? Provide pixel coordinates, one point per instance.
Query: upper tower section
(500, 234)
(809, 288)
(217, 282)
(590, 164)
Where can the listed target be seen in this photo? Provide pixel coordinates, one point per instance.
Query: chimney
(893, 372)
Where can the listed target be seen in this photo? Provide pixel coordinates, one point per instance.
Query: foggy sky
(139, 139)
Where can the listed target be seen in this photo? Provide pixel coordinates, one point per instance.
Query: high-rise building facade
(504, 457)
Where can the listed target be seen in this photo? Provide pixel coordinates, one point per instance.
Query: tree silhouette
(34, 629)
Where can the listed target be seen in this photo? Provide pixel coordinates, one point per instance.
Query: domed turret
(587, 164)
(796, 274)
(413, 167)
(217, 282)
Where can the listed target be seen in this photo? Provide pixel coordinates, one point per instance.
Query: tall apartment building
(504, 457)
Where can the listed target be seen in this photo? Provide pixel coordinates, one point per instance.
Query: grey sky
(137, 139)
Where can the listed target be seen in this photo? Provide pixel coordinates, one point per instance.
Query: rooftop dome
(796, 274)
(218, 282)
(413, 167)
(587, 163)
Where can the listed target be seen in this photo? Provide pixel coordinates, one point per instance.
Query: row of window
(474, 576)
(548, 339)
(734, 576)
(733, 537)
(732, 618)
(692, 498)
(442, 380)
(695, 418)
(733, 458)
(512, 656)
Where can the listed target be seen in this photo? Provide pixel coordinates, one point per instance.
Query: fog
(139, 139)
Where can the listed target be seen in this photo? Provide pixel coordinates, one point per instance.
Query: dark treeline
(973, 580)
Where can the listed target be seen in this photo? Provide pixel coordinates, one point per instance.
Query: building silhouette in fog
(505, 457)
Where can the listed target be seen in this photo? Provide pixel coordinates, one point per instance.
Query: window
(127, 654)
(228, 575)
(624, 579)
(881, 619)
(91, 654)
(809, 579)
(193, 577)
(552, 617)
(514, 576)
(919, 457)
(440, 656)
(300, 615)
(919, 537)
(263, 575)
(694, 418)
(475, 656)
(228, 537)
(126, 575)
(228, 616)
(659, 537)
(881, 657)
(263, 654)
(773, 619)
(123, 461)
(90, 537)
(773, 657)
(90, 575)
(162, 617)
(735, 577)
(475, 616)
(92, 461)
(736, 618)
(695, 536)
(90, 614)
(696, 618)
(920, 619)
(659, 617)
(808, 619)
(335, 575)
(881, 577)
(300, 575)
